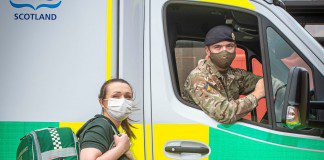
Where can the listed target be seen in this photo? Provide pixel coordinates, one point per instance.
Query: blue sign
(45, 5)
(35, 5)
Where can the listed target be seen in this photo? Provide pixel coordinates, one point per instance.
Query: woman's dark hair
(102, 95)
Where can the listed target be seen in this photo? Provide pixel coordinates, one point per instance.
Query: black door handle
(179, 149)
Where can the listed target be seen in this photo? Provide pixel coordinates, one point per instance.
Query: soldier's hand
(259, 90)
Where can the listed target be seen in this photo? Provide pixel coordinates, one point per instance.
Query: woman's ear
(101, 103)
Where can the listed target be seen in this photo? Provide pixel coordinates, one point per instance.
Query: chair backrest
(187, 58)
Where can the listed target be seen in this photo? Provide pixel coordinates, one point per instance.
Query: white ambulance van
(154, 44)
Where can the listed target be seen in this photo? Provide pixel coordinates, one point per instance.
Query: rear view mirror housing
(297, 105)
(296, 98)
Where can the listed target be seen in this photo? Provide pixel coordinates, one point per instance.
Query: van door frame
(265, 23)
(172, 65)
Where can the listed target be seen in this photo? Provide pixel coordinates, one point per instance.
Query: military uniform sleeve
(97, 136)
(216, 105)
(248, 82)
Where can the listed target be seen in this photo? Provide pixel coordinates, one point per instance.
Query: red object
(240, 62)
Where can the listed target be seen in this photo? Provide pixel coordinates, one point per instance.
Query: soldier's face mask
(222, 59)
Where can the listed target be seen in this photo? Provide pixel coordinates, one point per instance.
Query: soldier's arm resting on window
(217, 106)
(249, 80)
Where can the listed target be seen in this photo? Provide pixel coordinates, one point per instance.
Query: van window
(186, 27)
(282, 58)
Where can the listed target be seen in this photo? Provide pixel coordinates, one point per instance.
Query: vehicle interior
(188, 22)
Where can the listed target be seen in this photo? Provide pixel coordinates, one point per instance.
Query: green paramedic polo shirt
(98, 133)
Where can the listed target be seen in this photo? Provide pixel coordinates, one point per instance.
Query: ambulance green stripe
(230, 146)
(274, 138)
(11, 132)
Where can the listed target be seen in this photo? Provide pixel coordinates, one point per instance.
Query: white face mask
(120, 109)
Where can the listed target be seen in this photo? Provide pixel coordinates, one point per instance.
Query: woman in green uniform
(99, 137)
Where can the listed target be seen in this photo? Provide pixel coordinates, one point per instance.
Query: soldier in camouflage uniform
(215, 86)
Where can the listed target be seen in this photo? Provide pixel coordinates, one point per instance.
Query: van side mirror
(298, 111)
(296, 98)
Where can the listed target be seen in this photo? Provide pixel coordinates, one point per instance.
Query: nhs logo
(33, 6)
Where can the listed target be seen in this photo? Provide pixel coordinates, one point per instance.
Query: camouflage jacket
(218, 95)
